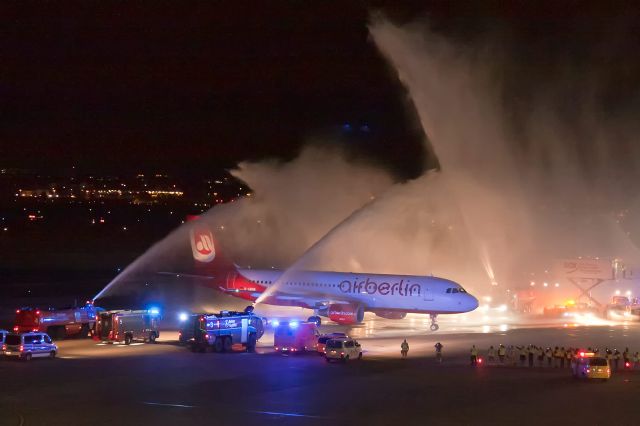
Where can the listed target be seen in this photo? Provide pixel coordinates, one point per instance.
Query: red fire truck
(57, 323)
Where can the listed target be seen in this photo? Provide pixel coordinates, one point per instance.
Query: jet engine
(346, 314)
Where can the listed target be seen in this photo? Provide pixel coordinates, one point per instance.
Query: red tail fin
(211, 261)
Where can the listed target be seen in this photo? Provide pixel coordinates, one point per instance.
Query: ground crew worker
(549, 354)
(561, 354)
(404, 348)
(568, 355)
(608, 355)
(474, 355)
(540, 356)
(616, 358)
(502, 351)
(626, 356)
(439, 347)
(636, 359)
(523, 355)
(491, 354)
(556, 357)
(530, 352)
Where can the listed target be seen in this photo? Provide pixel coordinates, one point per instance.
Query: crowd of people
(557, 357)
(539, 356)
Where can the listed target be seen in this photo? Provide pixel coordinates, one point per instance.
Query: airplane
(342, 297)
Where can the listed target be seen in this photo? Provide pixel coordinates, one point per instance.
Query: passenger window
(28, 340)
(448, 290)
(454, 290)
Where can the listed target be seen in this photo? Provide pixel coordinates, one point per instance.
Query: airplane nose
(472, 303)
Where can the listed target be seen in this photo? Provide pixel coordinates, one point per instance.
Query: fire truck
(220, 332)
(125, 326)
(57, 323)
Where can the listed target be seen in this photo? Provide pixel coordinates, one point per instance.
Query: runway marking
(276, 413)
(168, 405)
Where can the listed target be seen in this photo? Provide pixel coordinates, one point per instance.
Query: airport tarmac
(97, 384)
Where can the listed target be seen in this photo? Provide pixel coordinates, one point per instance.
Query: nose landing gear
(434, 324)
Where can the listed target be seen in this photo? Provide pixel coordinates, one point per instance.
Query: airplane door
(427, 294)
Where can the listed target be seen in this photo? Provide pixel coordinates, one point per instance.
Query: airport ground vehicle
(343, 349)
(221, 331)
(58, 323)
(295, 336)
(191, 329)
(29, 345)
(589, 366)
(322, 341)
(126, 326)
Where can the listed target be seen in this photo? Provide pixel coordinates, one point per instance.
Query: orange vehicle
(295, 336)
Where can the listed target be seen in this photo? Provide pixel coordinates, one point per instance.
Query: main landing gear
(434, 324)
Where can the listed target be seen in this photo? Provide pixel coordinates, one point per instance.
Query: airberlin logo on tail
(371, 287)
(202, 244)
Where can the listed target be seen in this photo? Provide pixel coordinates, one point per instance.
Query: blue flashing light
(346, 127)
(154, 311)
(183, 316)
(275, 323)
(294, 324)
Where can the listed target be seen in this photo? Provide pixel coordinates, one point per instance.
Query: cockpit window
(456, 290)
(462, 290)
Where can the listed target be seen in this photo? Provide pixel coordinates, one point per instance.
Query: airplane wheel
(315, 319)
(434, 327)
(218, 345)
(227, 345)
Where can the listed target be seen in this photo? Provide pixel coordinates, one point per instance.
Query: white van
(343, 349)
(29, 345)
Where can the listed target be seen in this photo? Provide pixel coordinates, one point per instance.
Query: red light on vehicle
(276, 348)
(479, 360)
(15, 328)
(581, 353)
(21, 348)
(17, 311)
(4, 347)
(588, 371)
(37, 312)
(626, 364)
(341, 353)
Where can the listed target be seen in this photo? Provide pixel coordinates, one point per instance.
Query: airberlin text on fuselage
(371, 287)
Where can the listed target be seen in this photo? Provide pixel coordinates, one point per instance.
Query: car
(295, 336)
(343, 349)
(587, 365)
(322, 341)
(29, 345)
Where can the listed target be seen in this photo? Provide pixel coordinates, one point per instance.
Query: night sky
(190, 86)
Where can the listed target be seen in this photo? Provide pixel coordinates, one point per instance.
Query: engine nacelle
(346, 314)
(390, 314)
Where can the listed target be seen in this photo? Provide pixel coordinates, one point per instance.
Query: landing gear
(434, 324)
(315, 319)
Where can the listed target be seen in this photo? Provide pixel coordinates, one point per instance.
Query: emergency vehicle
(221, 331)
(295, 336)
(322, 341)
(343, 349)
(125, 326)
(29, 345)
(57, 323)
(589, 366)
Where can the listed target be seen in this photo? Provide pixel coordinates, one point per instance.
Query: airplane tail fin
(211, 261)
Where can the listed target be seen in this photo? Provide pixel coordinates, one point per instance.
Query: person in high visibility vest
(491, 354)
(568, 355)
(549, 355)
(540, 356)
(502, 351)
(523, 355)
(616, 358)
(404, 348)
(636, 359)
(474, 355)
